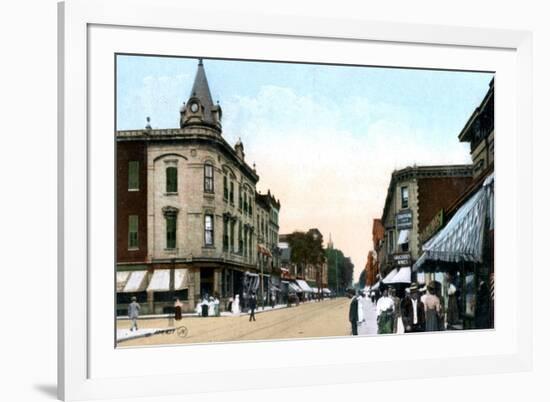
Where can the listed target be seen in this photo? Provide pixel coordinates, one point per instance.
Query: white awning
(121, 279)
(403, 275)
(389, 277)
(315, 290)
(375, 286)
(137, 282)
(463, 237)
(160, 282)
(303, 284)
(295, 287)
(327, 291)
(403, 237)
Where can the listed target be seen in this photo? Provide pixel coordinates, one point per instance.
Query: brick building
(414, 196)
(186, 209)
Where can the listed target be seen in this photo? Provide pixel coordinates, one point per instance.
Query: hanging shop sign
(403, 220)
(402, 259)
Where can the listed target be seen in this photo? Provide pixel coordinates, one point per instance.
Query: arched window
(171, 179)
(208, 178)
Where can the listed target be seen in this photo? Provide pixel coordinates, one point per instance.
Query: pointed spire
(201, 90)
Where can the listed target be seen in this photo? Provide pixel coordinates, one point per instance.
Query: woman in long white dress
(211, 307)
(235, 307)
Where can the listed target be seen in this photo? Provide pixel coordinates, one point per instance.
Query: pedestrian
(482, 306)
(204, 307)
(385, 312)
(432, 306)
(397, 310)
(216, 306)
(211, 307)
(273, 300)
(229, 306)
(353, 314)
(133, 313)
(235, 307)
(178, 308)
(360, 308)
(452, 303)
(412, 311)
(252, 306)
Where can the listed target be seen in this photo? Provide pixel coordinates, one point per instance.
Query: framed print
(263, 196)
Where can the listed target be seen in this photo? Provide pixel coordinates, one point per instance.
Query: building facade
(414, 196)
(186, 211)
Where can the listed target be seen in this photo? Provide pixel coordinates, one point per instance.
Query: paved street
(314, 319)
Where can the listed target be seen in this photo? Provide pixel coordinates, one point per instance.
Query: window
(208, 178)
(225, 233)
(390, 241)
(231, 193)
(133, 242)
(240, 237)
(225, 189)
(209, 230)
(245, 203)
(250, 206)
(240, 198)
(171, 231)
(171, 179)
(232, 236)
(133, 175)
(404, 197)
(245, 250)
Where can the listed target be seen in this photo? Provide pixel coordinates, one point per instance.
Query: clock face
(194, 107)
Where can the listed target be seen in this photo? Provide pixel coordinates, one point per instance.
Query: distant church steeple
(330, 244)
(200, 108)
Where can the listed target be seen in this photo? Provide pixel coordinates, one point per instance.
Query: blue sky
(343, 128)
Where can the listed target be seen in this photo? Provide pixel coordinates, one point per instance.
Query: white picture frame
(80, 341)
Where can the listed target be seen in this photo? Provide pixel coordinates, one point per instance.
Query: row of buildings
(190, 220)
(438, 224)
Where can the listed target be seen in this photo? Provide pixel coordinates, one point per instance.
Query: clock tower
(199, 109)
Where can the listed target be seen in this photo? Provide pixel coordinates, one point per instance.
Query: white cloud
(330, 162)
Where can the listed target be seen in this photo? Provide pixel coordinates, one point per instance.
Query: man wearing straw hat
(412, 311)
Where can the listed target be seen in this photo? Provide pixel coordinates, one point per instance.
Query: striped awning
(160, 282)
(294, 287)
(463, 237)
(121, 279)
(303, 284)
(137, 282)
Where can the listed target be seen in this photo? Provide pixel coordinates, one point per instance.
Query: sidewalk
(259, 309)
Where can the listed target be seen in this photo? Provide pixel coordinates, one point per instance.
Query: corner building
(187, 228)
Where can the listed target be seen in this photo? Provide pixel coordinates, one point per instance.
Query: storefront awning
(160, 282)
(403, 237)
(375, 286)
(327, 291)
(315, 290)
(462, 238)
(294, 287)
(121, 279)
(303, 284)
(403, 275)
(137, 282)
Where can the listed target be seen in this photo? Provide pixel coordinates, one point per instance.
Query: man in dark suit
(252, 306)
(353, 315)
(412, 311)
